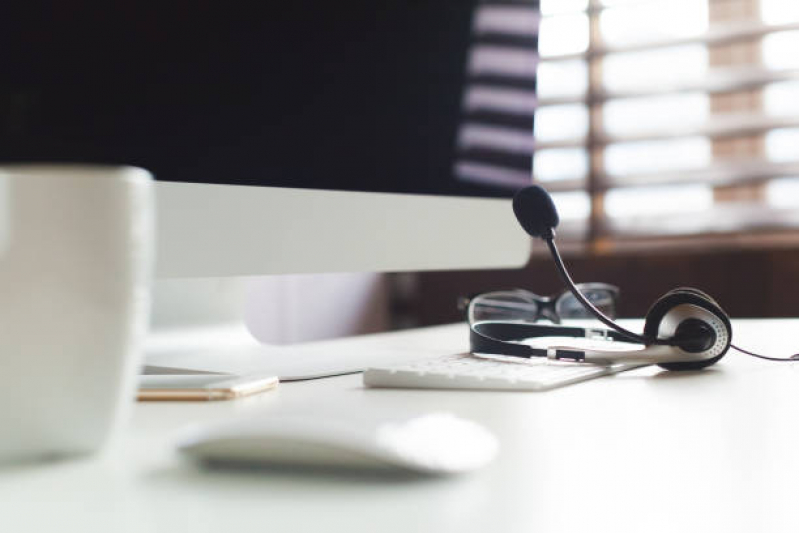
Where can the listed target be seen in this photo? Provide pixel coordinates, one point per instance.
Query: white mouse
(432, 443)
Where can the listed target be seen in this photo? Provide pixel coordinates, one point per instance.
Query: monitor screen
(404, 96)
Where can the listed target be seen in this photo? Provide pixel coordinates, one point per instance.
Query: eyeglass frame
(546, 305)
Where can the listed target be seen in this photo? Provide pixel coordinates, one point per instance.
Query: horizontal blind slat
(717, 81)
(714, 36)
(722, 219)
(731, 172)
(716, 128)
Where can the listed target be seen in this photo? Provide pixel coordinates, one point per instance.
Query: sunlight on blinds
(781, 98)
(623, 116)
(646, 68)
(561, 122)
(563, 34)
(495, 138)
(555, 7)
(779, 11)
(653, 109)
(562, 79)
(572, 205)
(651, 21)
(781, 144)
(653, 156)
(560, 164)
(669, 199)
(779, 50)
(783, 193)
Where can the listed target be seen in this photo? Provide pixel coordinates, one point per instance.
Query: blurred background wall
(303, 308)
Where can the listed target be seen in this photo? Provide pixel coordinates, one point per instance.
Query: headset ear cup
(697, 292)
(677, 297)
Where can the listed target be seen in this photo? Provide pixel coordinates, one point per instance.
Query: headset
(685, 329)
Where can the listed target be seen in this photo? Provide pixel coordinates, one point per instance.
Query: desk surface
(647, 450)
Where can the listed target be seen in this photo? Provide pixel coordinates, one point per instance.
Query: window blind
(495, 137)
(670, 122)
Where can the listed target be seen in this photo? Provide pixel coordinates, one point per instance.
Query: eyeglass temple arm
(632, 337)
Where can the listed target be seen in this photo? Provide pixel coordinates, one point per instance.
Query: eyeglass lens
(506, 306)
(514, 306)
(568, 306)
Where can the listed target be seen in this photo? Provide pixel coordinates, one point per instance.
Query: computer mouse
(430, 443)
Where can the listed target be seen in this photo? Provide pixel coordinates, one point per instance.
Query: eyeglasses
(519, 305)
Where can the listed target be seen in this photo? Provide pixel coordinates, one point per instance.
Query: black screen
(330, 95)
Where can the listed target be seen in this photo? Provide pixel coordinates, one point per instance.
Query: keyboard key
(466, 371)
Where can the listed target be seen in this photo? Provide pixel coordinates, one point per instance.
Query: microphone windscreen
(536, 211)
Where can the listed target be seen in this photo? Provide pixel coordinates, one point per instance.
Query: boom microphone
(536, 212)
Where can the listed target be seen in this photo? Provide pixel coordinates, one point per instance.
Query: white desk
(715, 450)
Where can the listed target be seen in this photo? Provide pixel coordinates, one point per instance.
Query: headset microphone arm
(632, 337)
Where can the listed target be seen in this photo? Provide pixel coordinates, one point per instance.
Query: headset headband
(504, 338)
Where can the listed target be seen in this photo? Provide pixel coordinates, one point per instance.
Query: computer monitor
(291, 137)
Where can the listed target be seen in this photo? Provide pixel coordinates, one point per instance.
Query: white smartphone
(202, 387)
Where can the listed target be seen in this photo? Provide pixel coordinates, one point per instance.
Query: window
(670, 122)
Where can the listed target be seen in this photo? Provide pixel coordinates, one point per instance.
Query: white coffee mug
(76, 246)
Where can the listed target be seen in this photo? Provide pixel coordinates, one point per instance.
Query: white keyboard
(465, 371)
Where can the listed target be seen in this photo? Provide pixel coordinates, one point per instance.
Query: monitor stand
(198, 326)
